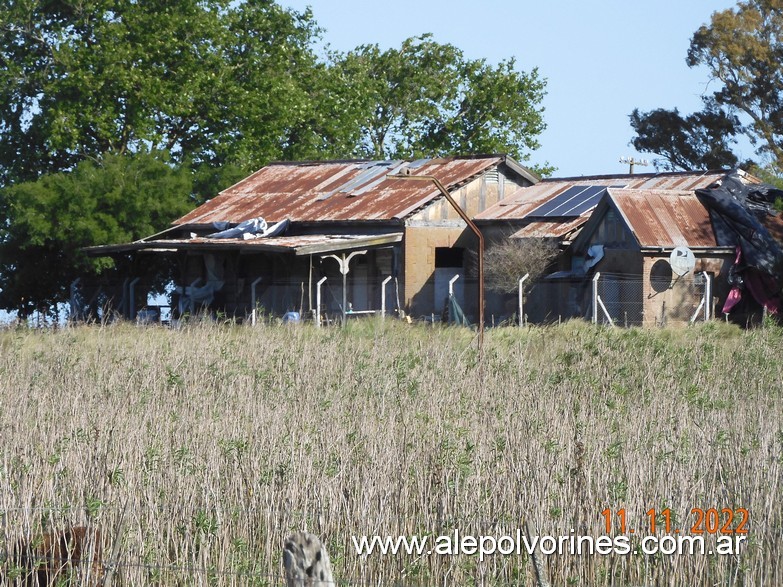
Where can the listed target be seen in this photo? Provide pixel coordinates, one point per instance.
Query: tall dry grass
(199, 450)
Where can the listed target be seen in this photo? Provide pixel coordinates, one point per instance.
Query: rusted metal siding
(473, 197)
(335, 191)
(665, 218)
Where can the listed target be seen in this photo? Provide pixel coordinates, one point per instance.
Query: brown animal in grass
(74, 552)
(306, 562)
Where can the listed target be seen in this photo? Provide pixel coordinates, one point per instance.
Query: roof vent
(491, 176)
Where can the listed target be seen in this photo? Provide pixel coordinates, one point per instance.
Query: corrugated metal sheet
(335, 191)
(300, 245)
(667, 219)
(525, 200)
(546, 229)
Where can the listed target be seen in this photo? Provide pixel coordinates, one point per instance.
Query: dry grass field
(198, 450)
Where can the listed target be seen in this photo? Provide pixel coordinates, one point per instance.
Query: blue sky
(602, 59)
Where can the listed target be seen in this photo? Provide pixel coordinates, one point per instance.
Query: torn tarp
(249, 229)
(737, 211)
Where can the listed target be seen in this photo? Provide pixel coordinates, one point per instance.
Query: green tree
(219, 85)
(701, 140)
(328, 126)
(400, 91)
(742, 48)
(427, 99)
(49, 220)
(212, 81)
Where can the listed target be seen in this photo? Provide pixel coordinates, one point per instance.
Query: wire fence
(603, 298)
(325, 302)
(621, 300)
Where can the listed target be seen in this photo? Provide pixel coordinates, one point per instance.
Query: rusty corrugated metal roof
(665, 218)
(550, 229)
(336, 191)
(673, 218)
(525, 200)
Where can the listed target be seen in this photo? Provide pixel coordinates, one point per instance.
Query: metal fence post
(707, 297)
(253, 301)
(383, 297)
(522, 299)
(595, 297)
(451, 284)
(318, 302)
(345, 267)
(192, 301)
(74, 301)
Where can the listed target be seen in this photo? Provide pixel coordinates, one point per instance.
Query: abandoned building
(328, 238)
(338, 239)
(623, 230)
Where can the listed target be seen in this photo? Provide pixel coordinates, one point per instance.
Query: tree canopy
(49, 220)
(213, 81)
(742, 48)
(96, 91)
(702, 140)
(427, 99)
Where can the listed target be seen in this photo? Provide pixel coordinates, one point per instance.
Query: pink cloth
(734, 297)
(758, 284)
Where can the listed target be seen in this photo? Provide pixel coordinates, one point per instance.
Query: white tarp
(249, 229)
(594, 254)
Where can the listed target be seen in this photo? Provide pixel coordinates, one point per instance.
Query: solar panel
(574, 201)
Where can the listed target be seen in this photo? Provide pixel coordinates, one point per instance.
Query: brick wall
(419, 251)
(676, 299)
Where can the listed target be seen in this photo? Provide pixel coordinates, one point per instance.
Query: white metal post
(522, 299)
(318, 302)
(707, 296)
(345, 266)
(451, 295)
(253, 300)
(451, 284)
(595, 297)
(383, 296)
(124, 304)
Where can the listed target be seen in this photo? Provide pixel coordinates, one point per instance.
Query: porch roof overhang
(310, 244)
